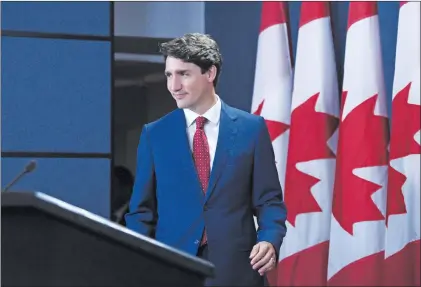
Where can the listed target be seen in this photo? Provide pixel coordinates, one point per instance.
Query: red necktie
(201, 157)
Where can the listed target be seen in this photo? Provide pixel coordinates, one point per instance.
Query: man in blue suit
(205, 169)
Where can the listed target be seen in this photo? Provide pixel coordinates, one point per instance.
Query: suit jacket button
(205, 208)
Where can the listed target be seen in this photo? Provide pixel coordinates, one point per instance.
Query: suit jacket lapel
(226, 137)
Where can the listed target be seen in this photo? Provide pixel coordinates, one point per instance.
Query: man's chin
(182, 104)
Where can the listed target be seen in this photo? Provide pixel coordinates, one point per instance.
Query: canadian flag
(311, 154)
(273, 80)
(273, 83)
(357, 238)
(402, 251)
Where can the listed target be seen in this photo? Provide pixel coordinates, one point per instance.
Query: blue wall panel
(388, 18)
(89, 18)
(81, 182)
(235, 26)
(55, 95)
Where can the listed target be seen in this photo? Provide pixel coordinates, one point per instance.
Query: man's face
(186, 83)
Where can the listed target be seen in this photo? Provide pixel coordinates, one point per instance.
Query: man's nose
(175, 84)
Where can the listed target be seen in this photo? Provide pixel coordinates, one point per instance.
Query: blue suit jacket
(168, 204)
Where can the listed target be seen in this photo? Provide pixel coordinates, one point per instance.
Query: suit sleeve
(142, 215)
(267, 192)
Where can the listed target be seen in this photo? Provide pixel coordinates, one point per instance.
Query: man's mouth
(179, 96)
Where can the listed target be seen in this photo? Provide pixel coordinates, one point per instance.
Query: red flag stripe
(312, 11)
(361, 10)
(273, 13)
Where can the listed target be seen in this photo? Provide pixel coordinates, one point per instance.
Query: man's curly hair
(196, 48)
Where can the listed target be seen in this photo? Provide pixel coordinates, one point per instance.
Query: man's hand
(263, 257)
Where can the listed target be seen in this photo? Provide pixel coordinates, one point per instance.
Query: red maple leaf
(275, 128)
(309, 133)
(405, 123)
(363, 139)
(395, 198)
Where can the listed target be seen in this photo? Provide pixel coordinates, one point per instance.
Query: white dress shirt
(211, 127)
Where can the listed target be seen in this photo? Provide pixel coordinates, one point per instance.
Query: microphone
(28, 168)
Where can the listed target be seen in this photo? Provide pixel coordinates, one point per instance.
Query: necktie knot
(200, 122)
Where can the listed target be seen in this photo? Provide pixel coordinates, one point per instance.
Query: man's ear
(211, 74)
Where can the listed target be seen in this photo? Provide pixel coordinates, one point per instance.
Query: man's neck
(206, 105)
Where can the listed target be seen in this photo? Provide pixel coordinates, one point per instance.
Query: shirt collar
(212, 115)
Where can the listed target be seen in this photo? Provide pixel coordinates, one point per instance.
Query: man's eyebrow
(177, 72)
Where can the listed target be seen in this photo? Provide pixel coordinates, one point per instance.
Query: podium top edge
(105, 227)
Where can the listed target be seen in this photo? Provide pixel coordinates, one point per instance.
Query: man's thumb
(254, 251)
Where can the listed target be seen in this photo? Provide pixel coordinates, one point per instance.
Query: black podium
(47, 242)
